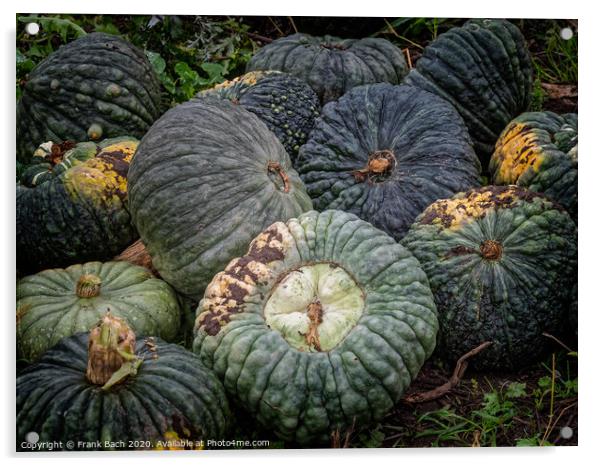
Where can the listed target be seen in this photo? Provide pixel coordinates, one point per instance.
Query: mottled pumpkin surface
(538, 150)
(331, 65)
(287, 105)
(54, 304)
(172, 396)
(80, 215)
(320, 326)
(501, 262)
(206, 179)
(484, 69)
(384, 153)
(98, 86)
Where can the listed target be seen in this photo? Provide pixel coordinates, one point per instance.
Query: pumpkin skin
(331, 65)
(207, 178)
(423, 136)
(538, 150)
(501, 261)
(80, 215)
(287, 105)
(98, 86)
(171, 397)
(321, 325)
(55, 303)
(484, 69)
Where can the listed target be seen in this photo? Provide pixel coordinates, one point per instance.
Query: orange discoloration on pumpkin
(21, 311)
(453, 213)
(517, 151)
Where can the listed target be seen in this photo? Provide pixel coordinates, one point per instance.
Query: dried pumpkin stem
(491, 250)
(380, 164)
(88, 286)
(314, 313)
(111, 352)
(275, 167)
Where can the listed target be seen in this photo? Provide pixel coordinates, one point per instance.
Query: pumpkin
(321, 325)
(78, 215)
(57, 303)
(207, 177)
(51, 159)
(287, 105)
(484, 69)
(331, 65)
(538, 150)
(384, 153)
(108, 391)
(501, 261)
(98, 86)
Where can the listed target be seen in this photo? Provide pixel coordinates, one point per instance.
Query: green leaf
(157, 61)
(516, 390)
(214, 70)
(545, 382)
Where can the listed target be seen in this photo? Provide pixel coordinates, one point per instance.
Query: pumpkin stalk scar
(275, 167)
(88, 286)
(314, 313)
(380, 164)
(491, 250)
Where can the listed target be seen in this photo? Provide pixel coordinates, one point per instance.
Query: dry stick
(396, 34)
(407, 52)
(461, 367)
(552, 337)
(547, 434)
(265, 39)
(276, 26)
(290, 18)
(551, 415)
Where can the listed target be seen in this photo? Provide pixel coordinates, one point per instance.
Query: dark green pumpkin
(484, 69)
(287, 105)
(331, 65)
(207, 178)
(321, 326)
(164, 398)
(80, 215)
(98, 86)
(384, 153)
(57, 303)
(538, 150)
(501, 262)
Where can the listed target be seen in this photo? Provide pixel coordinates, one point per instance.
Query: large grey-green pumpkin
(57, 303)
(98, 86)
(207, 177)
(331, 65)
(322, 325)
(484, 69)
(501, 262)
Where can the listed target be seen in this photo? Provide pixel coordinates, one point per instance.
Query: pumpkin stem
(137, 254)
(275, 167)
(380, 164)
(88, 286)
(111, 352)
(57, 151)
(491, 250)
(315, 313)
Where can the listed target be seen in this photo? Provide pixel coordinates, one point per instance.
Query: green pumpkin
(51, 159)
(107, 391)
(98, 86)
(538, 150)
(484, 69)
(206, 179)
(57, 303)
(331, 65)
(501, 261)
(79, 214)
(384, 153)
(322, 325)
(287, 105)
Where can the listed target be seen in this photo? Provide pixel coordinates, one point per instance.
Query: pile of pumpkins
(325, 214)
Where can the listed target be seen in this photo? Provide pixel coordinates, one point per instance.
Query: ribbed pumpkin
(207, 178)
(501, 261)
(80, 215)
(331, 65)
(538, 150)
(107, 391)
(386, 152)
(287, 105)
(51, 159)
(98, 86)
(57, 303)
(484, 69)
(320, 326)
